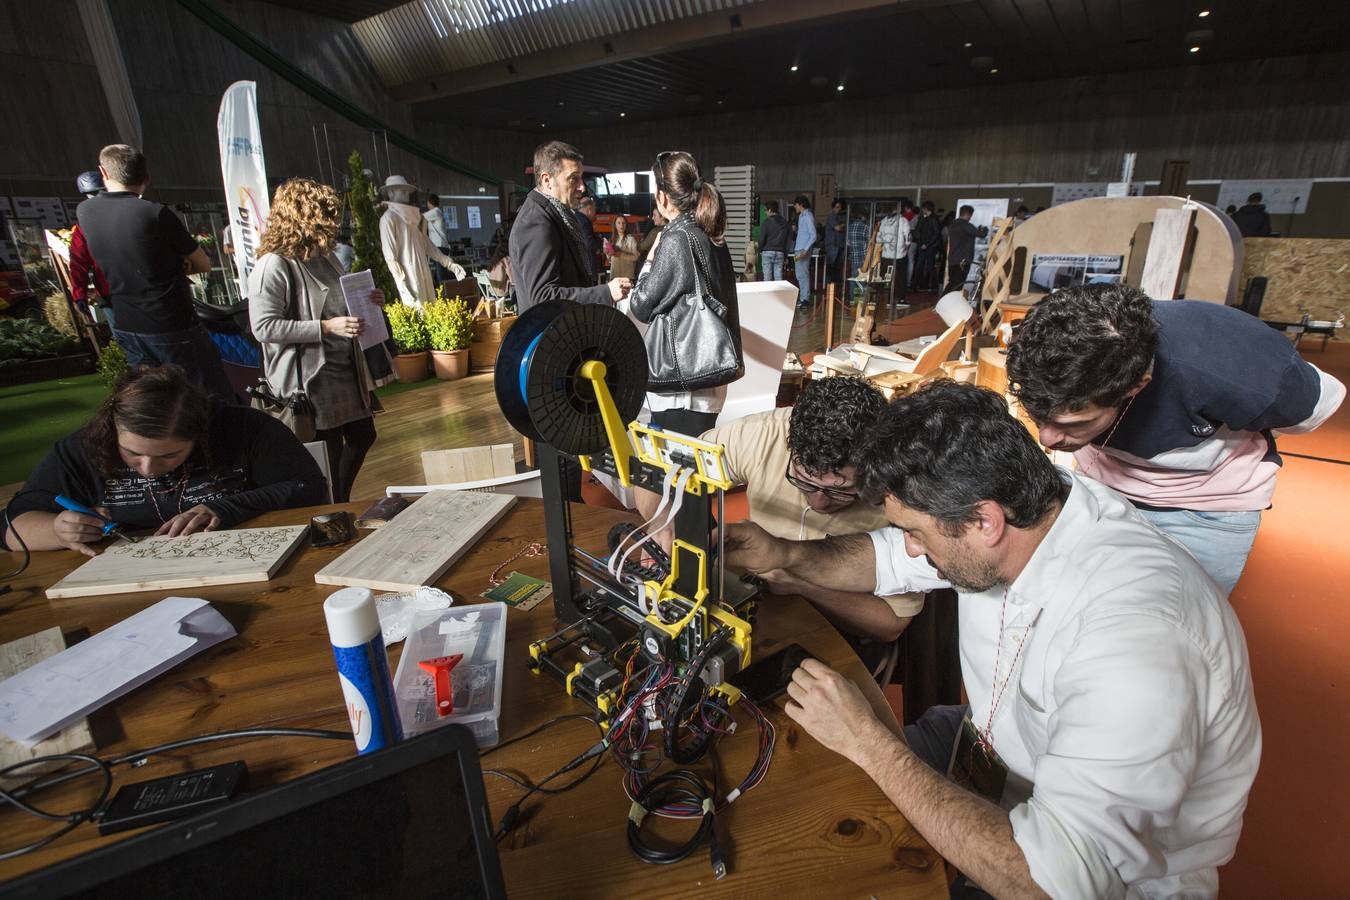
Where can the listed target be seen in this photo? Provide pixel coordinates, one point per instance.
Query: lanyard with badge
(975, 764)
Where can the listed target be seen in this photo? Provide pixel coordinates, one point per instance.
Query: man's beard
(967, 574)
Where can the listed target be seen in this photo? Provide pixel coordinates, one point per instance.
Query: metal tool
(110, 528)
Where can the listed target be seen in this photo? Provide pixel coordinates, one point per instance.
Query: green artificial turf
(33, 417)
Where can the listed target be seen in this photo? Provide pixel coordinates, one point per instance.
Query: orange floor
(1294, 603)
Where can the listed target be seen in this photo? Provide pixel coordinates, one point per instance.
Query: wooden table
(816, 824)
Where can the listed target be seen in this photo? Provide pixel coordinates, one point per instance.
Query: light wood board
(197, 560)
(1168, 248)
(16, 656)
(468, 464)
(417, 547)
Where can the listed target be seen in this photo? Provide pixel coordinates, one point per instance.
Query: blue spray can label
(363, 668)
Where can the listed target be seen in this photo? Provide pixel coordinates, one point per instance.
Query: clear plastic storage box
(477, 631)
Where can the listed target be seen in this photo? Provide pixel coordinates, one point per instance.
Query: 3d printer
(572, 378)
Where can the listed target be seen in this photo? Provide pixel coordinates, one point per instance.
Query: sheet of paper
(475, 217)
(356, 289)
(49, 695)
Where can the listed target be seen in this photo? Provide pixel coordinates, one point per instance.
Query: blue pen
(110, 528)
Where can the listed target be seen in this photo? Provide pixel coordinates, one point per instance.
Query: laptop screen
(409, 821)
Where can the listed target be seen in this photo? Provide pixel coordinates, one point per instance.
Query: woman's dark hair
(948, 447)
(1085, 345)
(830, 422)
(676, 173)
(150, 403)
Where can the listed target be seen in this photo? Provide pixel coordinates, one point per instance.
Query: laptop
(407, 821)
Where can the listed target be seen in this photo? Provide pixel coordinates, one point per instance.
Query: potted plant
(409, 331)
(450, 328)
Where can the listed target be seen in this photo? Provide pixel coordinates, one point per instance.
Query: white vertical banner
(245, 173)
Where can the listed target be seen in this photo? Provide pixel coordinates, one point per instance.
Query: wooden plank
(1167, 251)
(468, 464)
(417, 547)
(17, 655)
(197, 560)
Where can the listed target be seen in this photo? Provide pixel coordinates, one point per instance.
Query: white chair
(319, 450)
(522, 484)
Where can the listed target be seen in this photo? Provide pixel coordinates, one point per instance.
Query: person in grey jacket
(550, 256)
(309, 340)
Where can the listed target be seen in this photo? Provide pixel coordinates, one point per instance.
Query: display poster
(986, 211)
(1281, 196)
(475, 218)
(1051, 272)
(1068, 191)
(245, 173)
(9, 253)
(49, 211)
(452, 218)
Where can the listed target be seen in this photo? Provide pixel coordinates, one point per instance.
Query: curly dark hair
(947, 447)
(1083, 346)
(151, 403)
(831, 418)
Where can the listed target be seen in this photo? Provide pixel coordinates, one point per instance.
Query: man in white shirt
(1111, 728)
(894, 236)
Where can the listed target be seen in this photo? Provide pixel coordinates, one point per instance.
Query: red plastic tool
(439, 669)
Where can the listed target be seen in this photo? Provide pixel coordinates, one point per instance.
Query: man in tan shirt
(798, 468)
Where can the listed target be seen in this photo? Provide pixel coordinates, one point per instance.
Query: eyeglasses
(838, 495)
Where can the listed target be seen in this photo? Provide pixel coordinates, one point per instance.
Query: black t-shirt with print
(257, 465)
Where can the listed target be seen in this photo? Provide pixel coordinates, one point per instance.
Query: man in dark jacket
(773, 237)
(548, 252)
(1253, 220)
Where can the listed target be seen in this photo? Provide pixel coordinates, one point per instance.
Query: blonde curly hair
(304, 220)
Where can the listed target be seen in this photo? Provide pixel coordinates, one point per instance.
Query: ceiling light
(1203, 13)
(1195, 49)
(969, 44)
(621, 115)
(993, 71)
(838, 87)
(792, 68)
(719, 102)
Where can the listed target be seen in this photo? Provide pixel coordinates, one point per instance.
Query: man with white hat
(406, 245)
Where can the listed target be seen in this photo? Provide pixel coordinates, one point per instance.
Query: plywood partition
(1303, 274)
(1107, 226)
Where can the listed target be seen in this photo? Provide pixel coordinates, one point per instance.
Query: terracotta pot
(450, 364)
(411, 367)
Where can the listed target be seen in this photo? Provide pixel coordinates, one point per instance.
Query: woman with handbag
(685, 299)
(312, 358)
(159, 456)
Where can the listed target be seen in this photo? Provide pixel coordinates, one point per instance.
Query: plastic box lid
(478, 631)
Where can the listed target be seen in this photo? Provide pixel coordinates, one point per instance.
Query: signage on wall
(1281, 196)
(475, 218)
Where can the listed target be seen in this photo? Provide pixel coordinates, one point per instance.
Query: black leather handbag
(691, 346)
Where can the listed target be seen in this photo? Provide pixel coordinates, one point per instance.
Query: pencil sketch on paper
(195, 560)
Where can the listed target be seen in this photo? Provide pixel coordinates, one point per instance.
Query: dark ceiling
(905, 52)
(342, 10)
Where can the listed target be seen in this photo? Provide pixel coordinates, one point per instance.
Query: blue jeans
(803, 267)
(771, 265)
(1219, 541)
(191, 349)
